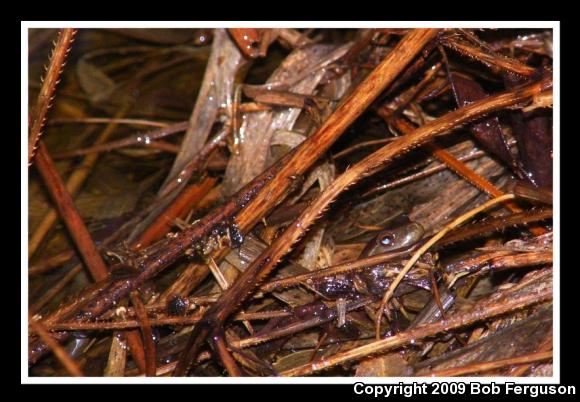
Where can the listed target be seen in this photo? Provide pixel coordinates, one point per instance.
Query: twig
(338, 269)
(50, 263)
(496, 224)
(295, 327)
(70, 215)
(186, 200)
(73, 184)
(494, 61)
(158, 322)
(77, 229)
(109, 120)
(145, 138)
(459, 167)
(422, 174)
(483, 311)
(493, 365)
(46, 95)
(69, 364)
(150, 355)
(496, 261)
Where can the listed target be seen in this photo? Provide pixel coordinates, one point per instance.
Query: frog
(375, 280)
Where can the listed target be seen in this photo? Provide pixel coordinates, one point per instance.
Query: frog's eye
(387, 239)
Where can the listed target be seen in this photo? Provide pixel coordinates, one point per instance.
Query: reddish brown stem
(197, 162)
(150, 354)
(186, 200)
(338, 269)
(108, 120)
(164, 146)
(157, 322)
(44, 100)
(495, 62)
(495, 224)
(77, 229)
(225, 356)
(422, 174)
(70, 215)
(458, 167)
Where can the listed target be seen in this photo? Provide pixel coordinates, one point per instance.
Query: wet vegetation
(290, 202)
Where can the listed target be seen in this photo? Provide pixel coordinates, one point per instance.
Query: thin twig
(108, 120)
(73, 185)
(46, 95)
(481, 312)
(493, 365)
(142, 139)
(69, 364)
(149, 344)
(69, 213)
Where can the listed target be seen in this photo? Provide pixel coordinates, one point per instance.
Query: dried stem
(158, 322)
(150, 355)
(497, 261)
(137, 139)
(73, 184)
(296, 326)
(338, 269)
(77, 229)
(185, 201)
(69, 364)
(109, 120)
(46, 95)
(69, 213)
(496, 224)
(493, 365)
(481, 312)
(50, 263)
(493, 61)
(422, 174)
(464, 171)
